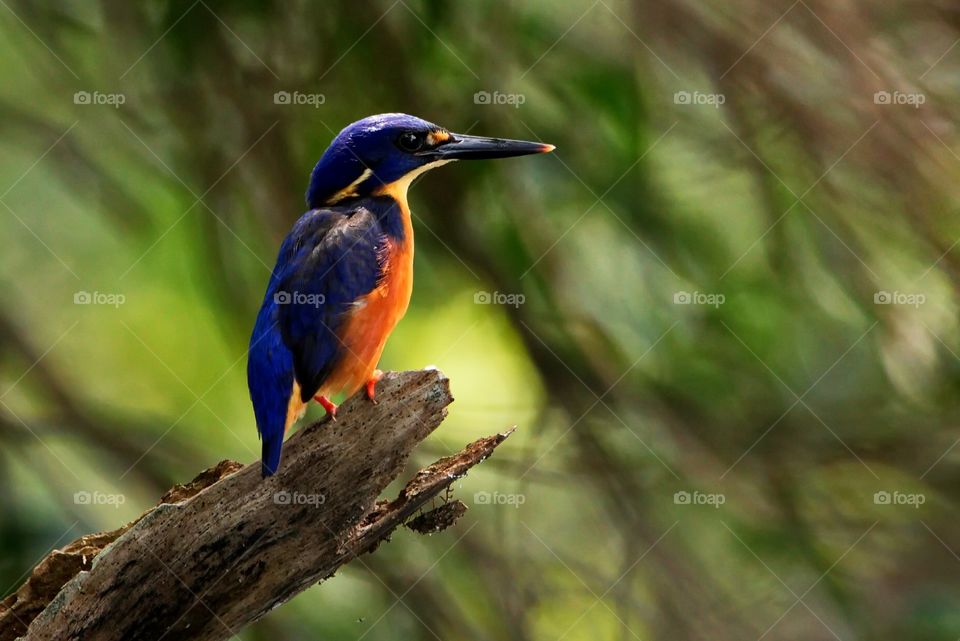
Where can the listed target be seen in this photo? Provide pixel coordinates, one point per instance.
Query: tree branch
(222, 551)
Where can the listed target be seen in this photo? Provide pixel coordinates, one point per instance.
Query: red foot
(372, 385)
(327, 405)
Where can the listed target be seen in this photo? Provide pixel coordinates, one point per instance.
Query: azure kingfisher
(344, 273)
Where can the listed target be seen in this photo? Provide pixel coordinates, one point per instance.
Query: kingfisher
(344, 273)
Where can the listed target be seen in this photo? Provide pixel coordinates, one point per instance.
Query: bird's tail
(270, 454)
(271, 424)
(270, 378)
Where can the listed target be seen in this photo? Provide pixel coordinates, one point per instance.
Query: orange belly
(365, 333)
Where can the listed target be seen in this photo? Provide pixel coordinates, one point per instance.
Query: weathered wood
(224, 550)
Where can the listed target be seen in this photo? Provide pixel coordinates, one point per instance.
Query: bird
(344, 273)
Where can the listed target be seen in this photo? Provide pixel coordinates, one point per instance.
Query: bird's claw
(328, 405)
(372, 385)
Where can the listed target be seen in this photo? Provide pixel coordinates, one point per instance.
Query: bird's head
(386, 152)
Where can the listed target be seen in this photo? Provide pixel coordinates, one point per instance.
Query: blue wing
(330, 259)
(336, 265)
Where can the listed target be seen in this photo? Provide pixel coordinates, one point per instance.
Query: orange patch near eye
(436, 137)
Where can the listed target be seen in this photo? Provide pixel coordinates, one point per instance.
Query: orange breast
(365, 333)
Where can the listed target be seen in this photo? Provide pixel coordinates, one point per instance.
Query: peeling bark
(220, 552)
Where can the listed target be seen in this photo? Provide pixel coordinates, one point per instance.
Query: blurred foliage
(735, 152)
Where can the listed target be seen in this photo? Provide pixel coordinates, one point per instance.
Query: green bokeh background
(796, 204)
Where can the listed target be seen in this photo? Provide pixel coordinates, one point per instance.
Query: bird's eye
(410, 141)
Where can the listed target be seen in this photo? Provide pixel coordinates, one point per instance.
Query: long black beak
(464, 147)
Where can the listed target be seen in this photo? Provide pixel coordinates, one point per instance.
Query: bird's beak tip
(547, 148)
